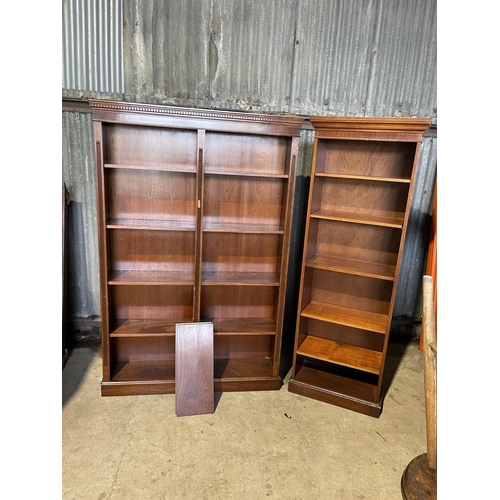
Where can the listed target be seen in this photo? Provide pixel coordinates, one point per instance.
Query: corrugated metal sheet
(408, 295)
(167, 52)
(365, 58)
(403, 74)
(255, 47)
(307, 57)
(79, 175)
(92, 39)
(350, 58)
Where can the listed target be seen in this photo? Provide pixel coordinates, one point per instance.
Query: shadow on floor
(395, 351)
(75, 368)
(217, 396)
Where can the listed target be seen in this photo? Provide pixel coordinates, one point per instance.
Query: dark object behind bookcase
(359, 202)
(65, 201)
(194, 216)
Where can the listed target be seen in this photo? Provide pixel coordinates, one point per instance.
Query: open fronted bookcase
(194, 211)
(359, 201)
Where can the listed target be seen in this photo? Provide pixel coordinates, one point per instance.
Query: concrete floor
(255, 445)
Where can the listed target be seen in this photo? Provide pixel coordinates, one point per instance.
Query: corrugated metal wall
(307, 57)
(408, 296)
(92, 39)
(79, 175)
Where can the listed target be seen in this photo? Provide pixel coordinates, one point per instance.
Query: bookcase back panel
(367, 158)
(241, 346)
(240, 153)
(152, 250)
(243, 200)
(139, 349)
(354, 241)
(340, 333)
(359, 196)
(237, 302)
(151, 302)
(149, 146)
(147, 194)
(234, 252)
(356, 292)
(142, 371)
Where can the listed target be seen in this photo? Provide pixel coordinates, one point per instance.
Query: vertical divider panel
(200, 178)
(103, 264)
(288, 207)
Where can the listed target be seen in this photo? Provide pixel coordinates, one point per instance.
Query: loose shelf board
(194, 368)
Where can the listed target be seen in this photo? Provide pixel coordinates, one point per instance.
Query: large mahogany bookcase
(194, 211)
(360, 192)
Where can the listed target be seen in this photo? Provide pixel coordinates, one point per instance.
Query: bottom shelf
(158, 377)
(347, 355)
(342, 387)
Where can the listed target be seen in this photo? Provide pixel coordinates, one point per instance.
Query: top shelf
(152, 224)
(401, 180)
(242, 173)
(188, 169)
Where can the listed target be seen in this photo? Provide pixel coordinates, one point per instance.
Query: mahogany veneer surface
(194, 369)
(194, 221)
(359, 203)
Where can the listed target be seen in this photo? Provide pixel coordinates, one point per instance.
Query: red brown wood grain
(194, 369)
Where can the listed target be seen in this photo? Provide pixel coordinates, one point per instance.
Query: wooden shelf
(150, 278)
(355, 267)
(238, 368)
(243, 173)
(246, 153)
(228, 369)
(369, 178)
(144, 328)
(241, 279)
(166, 327)
(353, 318)
(332, 383)
(243, 326)
(153, 377)
(356, 242)
(152, 224)
(145, 371)
(394, 220)
(188, 169)
(341, 354)
(233, 227)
